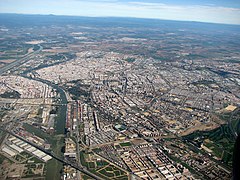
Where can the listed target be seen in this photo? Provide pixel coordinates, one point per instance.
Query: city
(86, 100)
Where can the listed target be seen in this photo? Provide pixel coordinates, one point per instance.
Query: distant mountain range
(24, 20)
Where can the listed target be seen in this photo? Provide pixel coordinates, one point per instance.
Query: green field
(60, 120)
(57, 143)
(37, 131)
(102, 168)
(54, 169)
(2, 135)
(125, 144)
(221, 141)
(2, 158)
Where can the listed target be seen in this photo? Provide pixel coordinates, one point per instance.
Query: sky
(215, 11)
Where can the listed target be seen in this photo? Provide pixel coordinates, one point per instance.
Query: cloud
(181, 7)
(147, 4)
(155, 5)
(205, 13)
(97, 1)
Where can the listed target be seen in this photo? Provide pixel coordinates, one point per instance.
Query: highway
(77, 140)
(33, 104)
(64, 161)
(20, 61)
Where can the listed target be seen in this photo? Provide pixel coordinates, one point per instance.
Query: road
(64, 161)
(77, 166)
(78, 139)
(20, 61)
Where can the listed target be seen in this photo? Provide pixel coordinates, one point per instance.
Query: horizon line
(147, 18)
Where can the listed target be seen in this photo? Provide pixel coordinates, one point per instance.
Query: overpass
(64, 161)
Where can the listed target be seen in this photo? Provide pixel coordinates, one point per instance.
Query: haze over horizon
(221, 11)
